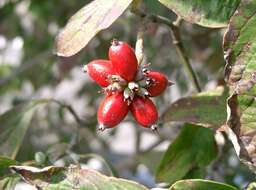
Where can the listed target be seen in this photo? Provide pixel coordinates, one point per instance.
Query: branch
(80, 125)
(133, 161)
(153, 18)
(112, 171)
(152, 146)
(175, 33)
(71, 111)
(137, 140)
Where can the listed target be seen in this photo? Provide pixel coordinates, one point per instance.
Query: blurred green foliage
(38, 73)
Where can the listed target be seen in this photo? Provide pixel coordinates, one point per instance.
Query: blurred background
(29, 69)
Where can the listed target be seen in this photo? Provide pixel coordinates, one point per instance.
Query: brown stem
(176, 37)
(133, 161)
(153, 145)
(71, 111)
(137, 140)
(80, 124)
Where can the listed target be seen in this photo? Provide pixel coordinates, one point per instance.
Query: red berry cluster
(127, 86)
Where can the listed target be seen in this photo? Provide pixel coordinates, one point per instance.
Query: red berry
(159, 83)
(123, 60)
(112, 110)
(99, 70)
(144, 111)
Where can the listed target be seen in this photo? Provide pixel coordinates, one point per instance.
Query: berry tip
(154, 128)
(170, 83)
(84, 69)
(101, 127)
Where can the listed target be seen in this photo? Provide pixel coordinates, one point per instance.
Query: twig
(175, 33)
(137, 141)
(152, 146)
(112, 171)
(71, 111)
(153, 18)
(133, 161)
(80, 123)
(139, 51)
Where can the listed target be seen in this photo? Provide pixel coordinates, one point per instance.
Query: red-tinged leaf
(40, 177)
(240, 54)
(73, 178)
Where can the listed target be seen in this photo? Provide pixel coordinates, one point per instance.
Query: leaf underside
(86, 23)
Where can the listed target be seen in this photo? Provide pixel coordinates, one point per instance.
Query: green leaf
(14, 125)
(86, 23)
(240, 54)
(9, 182)
(195, 147)
(207, 109)
(5, 163)
(199, 184)
(73, 178)
(210, 13)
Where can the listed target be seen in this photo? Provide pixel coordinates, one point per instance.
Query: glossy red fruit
(158, 84)
(123, 60)
(99, 70)
(144, 111)
(112, 110)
